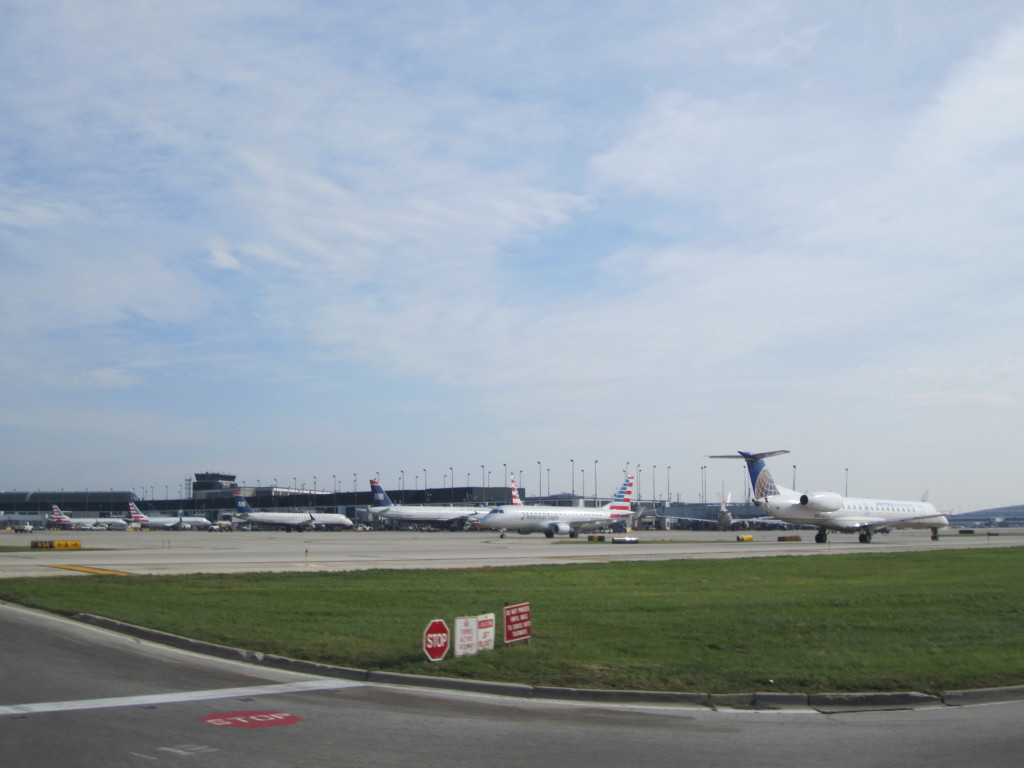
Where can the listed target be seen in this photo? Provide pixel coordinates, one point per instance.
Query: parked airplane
(829, 511)
(453, 516)
(181, 522)
(289, 520)
(551, 520)
(111, 523)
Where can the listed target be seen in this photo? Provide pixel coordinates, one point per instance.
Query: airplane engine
(823, 501)
(559, 528)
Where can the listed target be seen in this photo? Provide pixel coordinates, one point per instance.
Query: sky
(315, 242)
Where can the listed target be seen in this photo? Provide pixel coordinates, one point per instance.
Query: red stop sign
(436, 640)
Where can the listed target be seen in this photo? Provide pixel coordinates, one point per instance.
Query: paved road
(74, 695)
(198, 552)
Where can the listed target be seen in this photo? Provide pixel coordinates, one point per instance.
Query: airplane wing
(866, 521)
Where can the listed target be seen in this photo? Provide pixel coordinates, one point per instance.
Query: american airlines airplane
(289, 520)
(829, 511)
(551, 520)
(112, 523)
(182, 522)
(383, 506)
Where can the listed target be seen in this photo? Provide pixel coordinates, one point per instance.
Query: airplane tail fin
(621, 504)
(59, 516)
(380, 498)
(516, 502)
(760, 478)
(724, 518)
(243, 506)
(137, 516)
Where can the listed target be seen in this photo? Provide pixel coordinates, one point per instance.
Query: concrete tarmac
(172, 552)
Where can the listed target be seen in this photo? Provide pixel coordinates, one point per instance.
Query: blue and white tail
(243, 506)
(380, 498)
(761, 479)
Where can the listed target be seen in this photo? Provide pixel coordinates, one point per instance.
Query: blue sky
(331, 240)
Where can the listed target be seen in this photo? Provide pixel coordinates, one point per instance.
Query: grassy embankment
(926, 621)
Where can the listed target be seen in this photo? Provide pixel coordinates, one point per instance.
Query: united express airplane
(829, 511)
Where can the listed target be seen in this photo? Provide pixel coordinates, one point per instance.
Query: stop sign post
(437, 639)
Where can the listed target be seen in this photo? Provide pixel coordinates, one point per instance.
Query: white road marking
(170, 698)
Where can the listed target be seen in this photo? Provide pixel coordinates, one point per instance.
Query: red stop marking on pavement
(251, 719)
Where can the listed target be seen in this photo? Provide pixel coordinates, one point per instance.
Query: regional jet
(452, 516)
(289, 520)
(81, 523)
(551, 520)
(829, 511)
(181, 522)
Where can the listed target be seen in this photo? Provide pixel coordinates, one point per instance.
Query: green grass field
(927, 621)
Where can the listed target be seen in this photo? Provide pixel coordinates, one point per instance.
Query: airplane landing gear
(935, 534)
(821, 537)
(865, 537)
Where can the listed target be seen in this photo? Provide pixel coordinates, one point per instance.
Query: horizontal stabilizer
(750, 456)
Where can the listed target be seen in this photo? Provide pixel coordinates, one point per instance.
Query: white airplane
(181, 522)
(560, 520)
(383, 506)
(829, 511)
(289, 520)
(81, 523)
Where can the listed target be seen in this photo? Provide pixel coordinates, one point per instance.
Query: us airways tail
(244, 510)
(830, 511)
(380, 496)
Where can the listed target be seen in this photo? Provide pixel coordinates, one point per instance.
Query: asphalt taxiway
(156, 553)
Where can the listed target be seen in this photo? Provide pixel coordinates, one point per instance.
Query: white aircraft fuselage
(553, 521)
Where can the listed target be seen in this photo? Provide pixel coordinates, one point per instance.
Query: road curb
(844, 702)
(983, 696)
(823, 702)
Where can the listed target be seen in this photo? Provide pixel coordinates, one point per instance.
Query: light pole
(794, 477)
(572, 462)
(583, 485)
(668, 483)
(847, 491)
(595, 482)
(540, 484)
